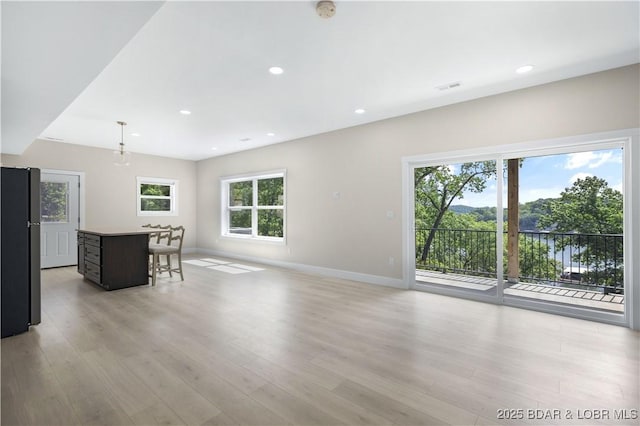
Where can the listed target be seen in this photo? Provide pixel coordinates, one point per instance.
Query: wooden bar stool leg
(156, 261)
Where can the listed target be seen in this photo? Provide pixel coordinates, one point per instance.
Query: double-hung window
(253, 206)
(157, 196)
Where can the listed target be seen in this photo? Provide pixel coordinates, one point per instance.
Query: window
(157, 197)
(54, 200)
(253, 206)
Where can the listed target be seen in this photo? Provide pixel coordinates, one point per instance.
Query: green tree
(271, 193)
(436, 187)
(240, 202)
(487, 214)
(241, 193)
(590, 206)
(534, 260)
(461, 243)
(155, 190)
(587, 207)
(531, 211)
(53, 201)
(465, 244)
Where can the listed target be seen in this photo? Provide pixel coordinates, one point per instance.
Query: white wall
(110, 190)
(363, 163)
(635, 237)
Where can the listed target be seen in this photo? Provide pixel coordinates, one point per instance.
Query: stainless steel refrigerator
(20, 250)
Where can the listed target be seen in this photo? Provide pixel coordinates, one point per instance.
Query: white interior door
(59, 218)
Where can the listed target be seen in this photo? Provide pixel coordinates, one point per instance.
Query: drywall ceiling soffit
(51, 51)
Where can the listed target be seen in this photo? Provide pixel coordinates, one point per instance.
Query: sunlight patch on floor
(223, 266)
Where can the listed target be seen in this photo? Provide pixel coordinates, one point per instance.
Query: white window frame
(226, 208)
(173, 197)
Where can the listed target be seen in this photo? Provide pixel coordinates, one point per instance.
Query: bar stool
(175, 237)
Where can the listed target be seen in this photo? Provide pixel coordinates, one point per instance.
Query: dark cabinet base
(114, 261)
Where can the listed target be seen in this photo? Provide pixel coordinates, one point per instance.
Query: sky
(548, 176)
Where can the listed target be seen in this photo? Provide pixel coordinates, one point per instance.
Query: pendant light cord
(122, 124)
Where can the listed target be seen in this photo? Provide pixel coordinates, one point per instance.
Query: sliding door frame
(627, 139)
(452, 158)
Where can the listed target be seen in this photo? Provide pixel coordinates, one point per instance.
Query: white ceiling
(212, 58)
(51, 51)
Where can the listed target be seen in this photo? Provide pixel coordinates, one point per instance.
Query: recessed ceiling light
(524, 69)
(214, 149)
(360, 111)
(185, 112)
(271, 134)
(276, 70)
(135, 134)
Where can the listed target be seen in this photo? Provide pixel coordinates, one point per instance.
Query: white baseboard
(310, 269)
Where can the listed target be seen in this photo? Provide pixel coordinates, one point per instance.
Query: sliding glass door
(570, 230)
(456, 225)
(542, 228)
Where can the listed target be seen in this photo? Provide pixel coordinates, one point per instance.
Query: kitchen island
(114, 258)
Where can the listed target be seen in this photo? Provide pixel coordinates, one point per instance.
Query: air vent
(449, 86)
(245, 139)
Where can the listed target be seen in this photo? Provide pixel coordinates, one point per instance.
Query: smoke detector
(326, 9)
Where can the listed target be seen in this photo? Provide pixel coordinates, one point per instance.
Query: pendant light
(120, 156)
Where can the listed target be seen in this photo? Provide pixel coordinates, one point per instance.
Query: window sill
(158, 214)
(267, 240)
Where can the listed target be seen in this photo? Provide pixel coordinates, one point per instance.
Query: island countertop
(112, 232)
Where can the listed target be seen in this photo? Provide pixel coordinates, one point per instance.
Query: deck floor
(586, 298)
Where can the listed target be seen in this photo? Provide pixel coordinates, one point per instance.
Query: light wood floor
(279, 347)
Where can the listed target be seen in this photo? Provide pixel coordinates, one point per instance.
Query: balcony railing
(584, 261)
